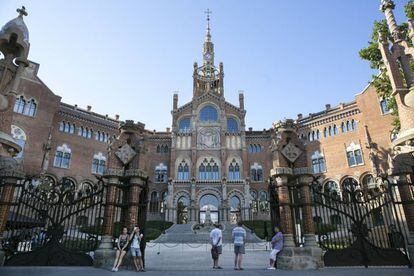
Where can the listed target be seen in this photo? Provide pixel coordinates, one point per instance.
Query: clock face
(207, 56)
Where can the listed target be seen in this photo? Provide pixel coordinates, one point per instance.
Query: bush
(262, 228)
(154, 228)
(323, 229)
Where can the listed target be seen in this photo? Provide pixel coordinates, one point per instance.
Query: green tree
(371, 53)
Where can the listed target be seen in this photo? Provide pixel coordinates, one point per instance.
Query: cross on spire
(22, 11)
(208, 36)
(208, 12)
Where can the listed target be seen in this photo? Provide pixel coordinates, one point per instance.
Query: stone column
(224, 208)
(8, 184)
(285, 210)
(306, 197)
(404, 189)
(292, 257)
(136, 185)
(105, 253)
(192, 217)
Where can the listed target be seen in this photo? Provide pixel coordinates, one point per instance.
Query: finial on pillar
(22, 11)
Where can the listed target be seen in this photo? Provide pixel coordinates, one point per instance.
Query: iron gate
(53, 222)
(361, 226)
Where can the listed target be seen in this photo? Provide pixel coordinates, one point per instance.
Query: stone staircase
(183, 233)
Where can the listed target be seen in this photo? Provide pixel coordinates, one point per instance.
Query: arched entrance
(235, 208)
(182, 210)
(209, 206)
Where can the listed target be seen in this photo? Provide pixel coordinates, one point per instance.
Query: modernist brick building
(207, 160)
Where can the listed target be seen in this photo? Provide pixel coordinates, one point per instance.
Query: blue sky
(127, 57)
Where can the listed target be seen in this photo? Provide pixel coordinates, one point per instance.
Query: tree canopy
(371, 53)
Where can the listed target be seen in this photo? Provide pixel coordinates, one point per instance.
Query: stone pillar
(306, 197)
(136, 185)
(224, 208)
(192, 217)
(285, 210)
(9, 181)
(292, 257)
(404, 189)
(105, 253)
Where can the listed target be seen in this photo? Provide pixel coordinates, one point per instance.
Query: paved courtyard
(182, 259)
(89, 271)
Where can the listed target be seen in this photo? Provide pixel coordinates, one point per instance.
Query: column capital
(387, 4)
(279, 171)
(136, 173)
(112, 172)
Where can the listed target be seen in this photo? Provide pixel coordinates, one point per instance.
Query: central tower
(207, 78)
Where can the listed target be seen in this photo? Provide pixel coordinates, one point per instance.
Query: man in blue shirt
(277, 245)
(239, 237)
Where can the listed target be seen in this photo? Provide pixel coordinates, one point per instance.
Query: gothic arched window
(98, 163)
(161, 173)
(62, 157)
(331, 190)
(19, 105)
(343, 127)
(232, 125)
(256, 172)
(335, 130)
(384, 106)
(208, 114)
(353, 124)
(30, 108)
(154, 202)
(208, 170)
(369, 182)
(184, 125)
(234, 170)
(183, 171)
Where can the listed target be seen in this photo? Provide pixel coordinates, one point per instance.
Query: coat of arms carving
(291, 152)
(125, 154)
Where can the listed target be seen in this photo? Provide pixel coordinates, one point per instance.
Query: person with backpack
(239, 237)
(216, 239)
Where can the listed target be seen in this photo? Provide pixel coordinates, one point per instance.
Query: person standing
(135, 248)
(239, 237)
(122, 248)
(216, 239)
(277, 245)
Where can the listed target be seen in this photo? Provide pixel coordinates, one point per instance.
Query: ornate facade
(207, 160)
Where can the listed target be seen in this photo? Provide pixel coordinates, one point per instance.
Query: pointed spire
(208, 35)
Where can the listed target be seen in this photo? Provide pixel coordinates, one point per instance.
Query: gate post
(285, 210)
(308, 227)
(406, 190)
(290, 171)
(105, 254)
(8, 183)
(137, 182)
